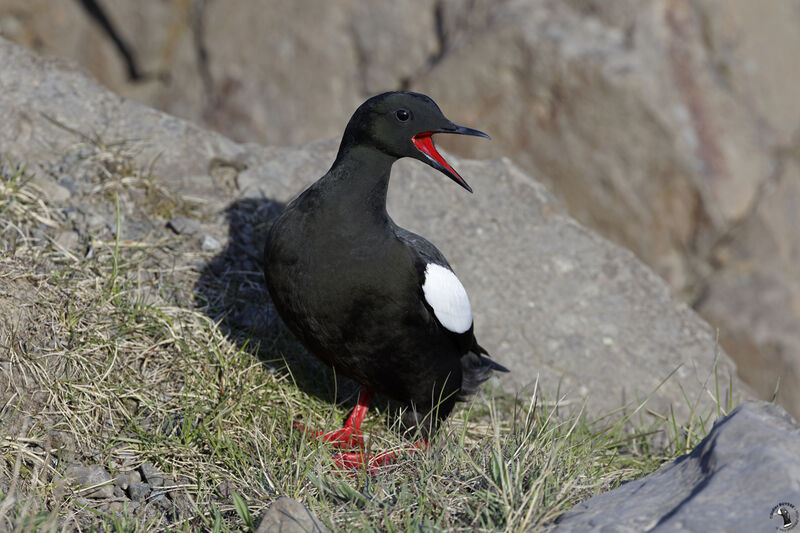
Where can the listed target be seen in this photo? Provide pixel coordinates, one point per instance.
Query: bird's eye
(402, 115)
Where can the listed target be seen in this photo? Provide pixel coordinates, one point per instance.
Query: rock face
(552, 300)
(737, 479)
(668, 126)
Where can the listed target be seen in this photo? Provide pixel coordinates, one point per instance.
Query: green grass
(114, 366)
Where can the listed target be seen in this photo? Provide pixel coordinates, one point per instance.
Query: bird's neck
(359, 180)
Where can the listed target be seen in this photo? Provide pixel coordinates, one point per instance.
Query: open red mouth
(424, 143)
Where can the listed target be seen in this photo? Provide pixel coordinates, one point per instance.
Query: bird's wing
(445, 297)
(441, 291)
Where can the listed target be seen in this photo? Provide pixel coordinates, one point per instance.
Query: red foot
(347, 437)
(350, 435)
(372, 463)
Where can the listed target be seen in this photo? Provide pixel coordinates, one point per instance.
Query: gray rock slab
(552, 300)
(289, 516)
(736, 480)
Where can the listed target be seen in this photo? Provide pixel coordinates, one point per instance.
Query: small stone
(95, 221)
(68, 182)
(183, 225)
(210, 244)
(51, 191)
(88, 476)
(138, 491)
(122, 481)
(68, 240)
(289, 516)
(134, 477)
(151, 474)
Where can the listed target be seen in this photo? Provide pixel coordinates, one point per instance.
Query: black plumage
(348, 282)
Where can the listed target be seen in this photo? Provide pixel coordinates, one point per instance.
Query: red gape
(350, 437)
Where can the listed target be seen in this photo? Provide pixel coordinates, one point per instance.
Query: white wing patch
(446, 295)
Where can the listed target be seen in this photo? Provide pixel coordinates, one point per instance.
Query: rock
(754, 297)
(289, 516)
(68, 240)
(210, 244)
(52, 192)
(736, 479)
(122, 481)
(89, 476)
(234, 88)
(563, 306)
(667, 126)
(134, 477)
(151, 475)
(138, 491)
(183, 225)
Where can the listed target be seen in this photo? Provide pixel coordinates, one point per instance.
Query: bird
(378, 303)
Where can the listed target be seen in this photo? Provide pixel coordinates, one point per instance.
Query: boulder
(553, 301)
(742, 477)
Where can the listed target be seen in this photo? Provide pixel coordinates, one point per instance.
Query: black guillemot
(374, 301)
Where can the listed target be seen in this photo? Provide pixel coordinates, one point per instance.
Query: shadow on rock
(232, 292)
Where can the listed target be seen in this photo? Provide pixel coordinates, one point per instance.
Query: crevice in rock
(443, 46)
(99, 16)
(441, 35)
(197, 25)
(710, 255)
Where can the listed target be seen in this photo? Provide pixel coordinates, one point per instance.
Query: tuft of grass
(109, 362)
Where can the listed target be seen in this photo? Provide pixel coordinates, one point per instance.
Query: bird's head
(402, 124)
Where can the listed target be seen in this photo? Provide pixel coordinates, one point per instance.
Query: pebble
(138, 491)
(183, 225)
(151, 474)
(289, 516)
(122, 481)
(86, 476)
(52, 191)
(68, 240)
(210, 244)
(134, 477)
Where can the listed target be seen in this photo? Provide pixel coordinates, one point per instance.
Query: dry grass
(106, 360)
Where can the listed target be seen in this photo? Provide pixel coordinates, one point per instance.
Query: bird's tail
(475, 369)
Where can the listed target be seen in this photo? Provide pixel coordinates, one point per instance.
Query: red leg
(373, 463)
(350, 435)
